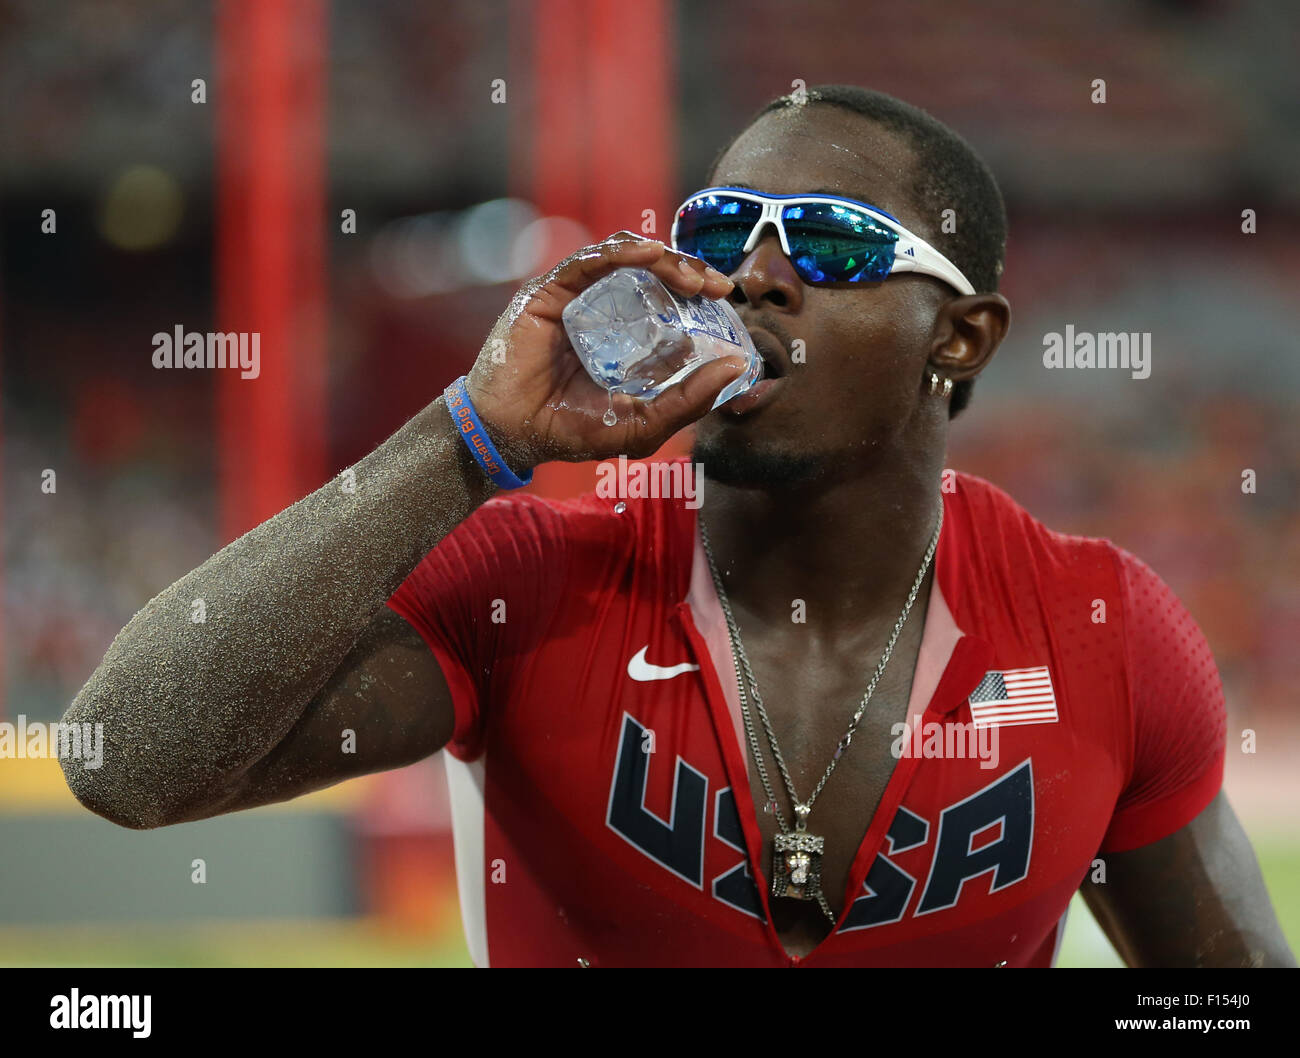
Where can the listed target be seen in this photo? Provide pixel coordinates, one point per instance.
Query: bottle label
(699, 315)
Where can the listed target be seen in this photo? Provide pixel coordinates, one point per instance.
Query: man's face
(865, 346)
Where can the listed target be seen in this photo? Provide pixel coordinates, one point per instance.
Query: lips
(775, 366)
(775, 357)
(759, 394)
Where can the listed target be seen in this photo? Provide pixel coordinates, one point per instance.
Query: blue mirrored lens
(832, 243)
(714, 229)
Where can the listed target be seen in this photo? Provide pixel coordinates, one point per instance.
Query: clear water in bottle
(636, 336)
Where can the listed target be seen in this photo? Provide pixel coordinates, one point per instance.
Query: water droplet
(609, 418)
(620, 507)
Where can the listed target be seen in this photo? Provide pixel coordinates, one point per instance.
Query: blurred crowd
(1167, 484)
(1170, 490)
(1114, 206)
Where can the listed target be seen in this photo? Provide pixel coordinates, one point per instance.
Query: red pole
(601, 136)
(31, 485)
(270, 429)
(631, 154)
(557, 139)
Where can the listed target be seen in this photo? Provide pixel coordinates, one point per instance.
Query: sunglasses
(827, 239)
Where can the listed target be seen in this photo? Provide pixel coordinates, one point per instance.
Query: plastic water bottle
(636, 336)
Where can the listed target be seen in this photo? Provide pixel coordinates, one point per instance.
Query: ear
(967, 332)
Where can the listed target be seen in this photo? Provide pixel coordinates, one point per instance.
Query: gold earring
(934, 383)
(947, 387)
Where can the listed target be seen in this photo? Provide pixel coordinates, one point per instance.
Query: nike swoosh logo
(639, 669)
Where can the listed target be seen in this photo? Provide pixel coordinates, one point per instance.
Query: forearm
(187, 704)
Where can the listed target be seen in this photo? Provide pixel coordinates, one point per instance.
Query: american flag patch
(1017, 696)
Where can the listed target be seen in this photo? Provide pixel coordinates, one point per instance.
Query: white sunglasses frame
(911, 253)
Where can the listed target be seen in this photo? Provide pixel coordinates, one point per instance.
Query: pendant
(797, 865)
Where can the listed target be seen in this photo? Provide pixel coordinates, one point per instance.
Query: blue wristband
(475, 436)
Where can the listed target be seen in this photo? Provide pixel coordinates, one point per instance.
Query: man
(614, 680)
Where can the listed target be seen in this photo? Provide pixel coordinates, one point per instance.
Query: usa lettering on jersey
(988, 834)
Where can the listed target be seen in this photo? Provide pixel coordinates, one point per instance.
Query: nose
(766, 278)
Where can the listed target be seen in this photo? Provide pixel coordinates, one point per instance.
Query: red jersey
(599, 746)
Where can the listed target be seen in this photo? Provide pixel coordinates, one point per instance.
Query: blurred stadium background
(228, 214)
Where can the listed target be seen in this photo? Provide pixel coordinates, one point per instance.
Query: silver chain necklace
(797, 855)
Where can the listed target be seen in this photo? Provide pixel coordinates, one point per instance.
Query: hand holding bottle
(536, 398)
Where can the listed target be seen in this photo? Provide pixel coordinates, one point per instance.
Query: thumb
(693, 397)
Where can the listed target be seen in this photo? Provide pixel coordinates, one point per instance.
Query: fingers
(689, 275)
(679, 272)
(592, 263)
